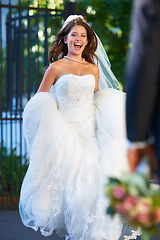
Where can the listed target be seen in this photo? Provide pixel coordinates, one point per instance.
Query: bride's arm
(96, 74)
(49, 78)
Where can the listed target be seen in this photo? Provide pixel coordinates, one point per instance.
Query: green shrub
(12, 171)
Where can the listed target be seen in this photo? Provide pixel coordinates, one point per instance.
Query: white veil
(106, 76)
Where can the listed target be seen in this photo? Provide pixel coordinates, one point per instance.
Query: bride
(75, 136)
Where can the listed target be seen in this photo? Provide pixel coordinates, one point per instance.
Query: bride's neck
(75, 57)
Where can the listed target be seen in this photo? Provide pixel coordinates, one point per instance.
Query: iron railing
(25, 35)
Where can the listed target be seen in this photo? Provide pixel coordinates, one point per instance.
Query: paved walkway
(11, 228)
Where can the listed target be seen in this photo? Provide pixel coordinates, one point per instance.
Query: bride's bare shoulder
(57, 66)
(94, 69)
(58, 63)
(53, 70)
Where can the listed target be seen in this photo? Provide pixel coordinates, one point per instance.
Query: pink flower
(120, 208)
(144, 205)
(119, 192)
(157, 215)
(132, 214)
(145, 219)
(129, 202)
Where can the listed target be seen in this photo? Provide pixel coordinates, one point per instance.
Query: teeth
(78, 44)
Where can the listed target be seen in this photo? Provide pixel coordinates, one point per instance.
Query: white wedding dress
(75, 139)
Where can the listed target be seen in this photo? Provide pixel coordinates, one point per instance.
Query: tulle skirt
(63, 188)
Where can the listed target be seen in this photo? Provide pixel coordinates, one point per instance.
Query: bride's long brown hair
(58, 48)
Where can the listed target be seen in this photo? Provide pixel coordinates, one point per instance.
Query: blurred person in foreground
(143, 86)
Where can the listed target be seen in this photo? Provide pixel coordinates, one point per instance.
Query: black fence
(26, 33)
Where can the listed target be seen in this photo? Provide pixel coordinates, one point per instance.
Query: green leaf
(110, 211)
(114, 181)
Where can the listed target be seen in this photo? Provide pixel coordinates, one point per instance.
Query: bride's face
(76, 40)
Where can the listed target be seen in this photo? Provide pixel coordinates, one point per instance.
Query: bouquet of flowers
(137, 200)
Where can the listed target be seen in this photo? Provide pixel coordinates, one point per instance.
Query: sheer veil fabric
(106, 76)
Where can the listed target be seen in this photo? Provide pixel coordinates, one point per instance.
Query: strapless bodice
(74, 95)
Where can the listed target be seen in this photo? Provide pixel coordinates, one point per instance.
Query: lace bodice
(75, 100)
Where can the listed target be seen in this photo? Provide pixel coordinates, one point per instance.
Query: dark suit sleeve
(143, 69)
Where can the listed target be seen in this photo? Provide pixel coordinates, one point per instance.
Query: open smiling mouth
(77, 45)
